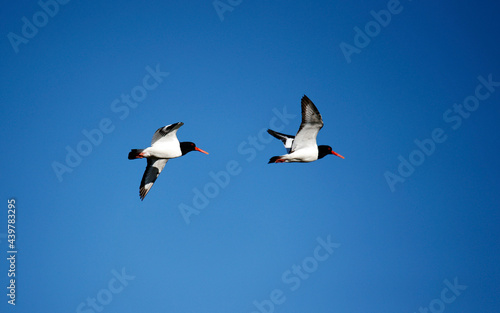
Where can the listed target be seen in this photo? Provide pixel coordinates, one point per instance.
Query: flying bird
(303, 147)
(164, 146)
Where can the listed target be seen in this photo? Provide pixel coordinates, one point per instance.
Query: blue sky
(407, 221)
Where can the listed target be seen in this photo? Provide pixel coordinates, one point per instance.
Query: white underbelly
(163, 151)
(303, 155)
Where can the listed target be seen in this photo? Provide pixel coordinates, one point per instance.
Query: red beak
(198, 149)
(333, 152)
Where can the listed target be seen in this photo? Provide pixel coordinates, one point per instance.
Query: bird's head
(187, 147)
(326, 150)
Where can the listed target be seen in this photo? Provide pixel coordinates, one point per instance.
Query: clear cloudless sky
(428, 236)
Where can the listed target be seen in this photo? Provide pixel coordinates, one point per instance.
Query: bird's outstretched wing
(310, 126)
(166, 134)
(153, 169)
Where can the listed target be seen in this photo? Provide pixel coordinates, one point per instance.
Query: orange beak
(333, 152)
(198, 149)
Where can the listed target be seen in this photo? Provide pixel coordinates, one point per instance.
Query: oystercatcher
(164, 146)
(303, 147)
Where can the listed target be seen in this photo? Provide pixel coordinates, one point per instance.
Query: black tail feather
(273, 159)
(134, 153)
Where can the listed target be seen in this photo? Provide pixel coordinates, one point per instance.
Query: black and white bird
(164, 146)
(303, 147)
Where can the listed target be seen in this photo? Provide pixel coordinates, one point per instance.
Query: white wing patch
(287, 140)
(288, 144)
